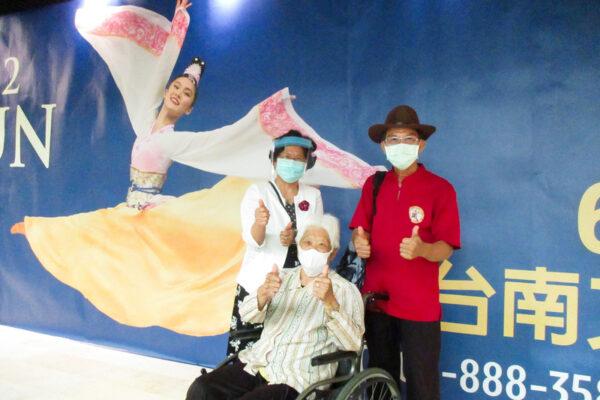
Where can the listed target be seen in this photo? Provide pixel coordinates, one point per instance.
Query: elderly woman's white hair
(328, 222)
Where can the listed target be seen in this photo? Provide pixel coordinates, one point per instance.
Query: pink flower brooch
(304, 205)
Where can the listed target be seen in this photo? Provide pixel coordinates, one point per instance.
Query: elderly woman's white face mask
(314, 251)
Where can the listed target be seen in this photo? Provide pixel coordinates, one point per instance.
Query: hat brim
(377, 131)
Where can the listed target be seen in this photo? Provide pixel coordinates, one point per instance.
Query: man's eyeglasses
(392, 140)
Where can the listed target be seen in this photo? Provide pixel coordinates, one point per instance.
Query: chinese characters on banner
(546, 300)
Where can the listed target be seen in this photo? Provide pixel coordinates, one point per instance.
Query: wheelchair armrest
(243, 334)
(333, 357)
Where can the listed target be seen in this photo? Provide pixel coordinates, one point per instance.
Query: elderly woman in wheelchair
(313, 320)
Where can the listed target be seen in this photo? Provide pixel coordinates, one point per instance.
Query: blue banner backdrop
(513, 88)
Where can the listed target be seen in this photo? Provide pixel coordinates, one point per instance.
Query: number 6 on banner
(588, 217)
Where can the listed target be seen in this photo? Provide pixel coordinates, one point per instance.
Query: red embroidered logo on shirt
(416, 214)
(304, 205)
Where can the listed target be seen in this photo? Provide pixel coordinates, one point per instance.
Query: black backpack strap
(377, 181)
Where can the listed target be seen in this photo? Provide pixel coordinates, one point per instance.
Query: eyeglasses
(392, 140)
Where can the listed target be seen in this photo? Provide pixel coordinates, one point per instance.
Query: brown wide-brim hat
(400, 117)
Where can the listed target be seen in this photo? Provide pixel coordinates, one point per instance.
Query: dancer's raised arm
(140, 48)
(242, 148)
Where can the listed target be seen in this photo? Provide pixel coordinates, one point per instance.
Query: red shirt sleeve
(363, 214)
(446, 222)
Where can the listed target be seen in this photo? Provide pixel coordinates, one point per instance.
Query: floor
(35, 366)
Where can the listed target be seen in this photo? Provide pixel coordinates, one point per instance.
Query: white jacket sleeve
(247, 209)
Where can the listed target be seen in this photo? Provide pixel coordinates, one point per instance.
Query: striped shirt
(297, 328)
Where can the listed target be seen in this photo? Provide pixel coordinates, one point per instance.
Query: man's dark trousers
(420, 343)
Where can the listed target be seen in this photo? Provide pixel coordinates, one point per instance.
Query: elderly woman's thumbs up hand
(269, 288)
(323, 290)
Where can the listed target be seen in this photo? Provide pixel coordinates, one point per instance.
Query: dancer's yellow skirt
(173, 266)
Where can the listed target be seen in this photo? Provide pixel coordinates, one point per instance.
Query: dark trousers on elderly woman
(420, 343)
(232, 382)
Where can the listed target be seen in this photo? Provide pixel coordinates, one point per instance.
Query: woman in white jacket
(271, 213)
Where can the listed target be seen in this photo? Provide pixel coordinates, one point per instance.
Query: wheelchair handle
(372, 296)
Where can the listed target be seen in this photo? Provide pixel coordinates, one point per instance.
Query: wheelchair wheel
(372, 383)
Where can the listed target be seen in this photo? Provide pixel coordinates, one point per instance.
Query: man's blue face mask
(290, 170)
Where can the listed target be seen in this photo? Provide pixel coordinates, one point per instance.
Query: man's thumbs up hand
(361, 240)
(415, 231)
(412, 247)
(360, 232)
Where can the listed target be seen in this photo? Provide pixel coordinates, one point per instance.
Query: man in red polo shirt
(415, 226)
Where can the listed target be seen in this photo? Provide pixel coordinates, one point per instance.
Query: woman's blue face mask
(290, 170)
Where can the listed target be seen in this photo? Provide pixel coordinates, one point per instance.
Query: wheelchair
(351, 381)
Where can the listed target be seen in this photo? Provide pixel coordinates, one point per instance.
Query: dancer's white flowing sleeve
(140, 48)
(242, 148)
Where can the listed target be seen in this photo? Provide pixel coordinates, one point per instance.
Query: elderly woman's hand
(269, 288)
(286, 237)
(323, 290)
